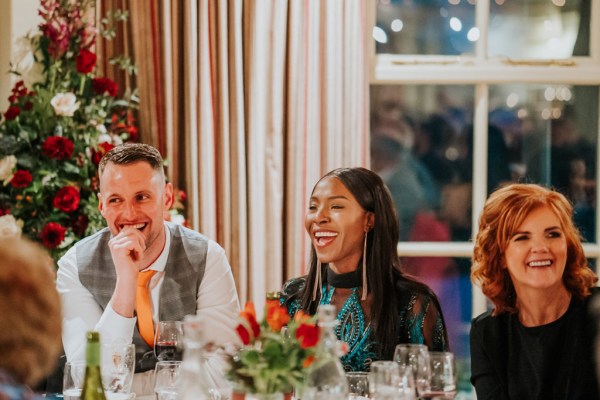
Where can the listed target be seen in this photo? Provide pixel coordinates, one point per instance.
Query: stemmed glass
(416, 358)
(166, 379)
(168, 341)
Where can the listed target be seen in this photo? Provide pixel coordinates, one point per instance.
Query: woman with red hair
(537, 341)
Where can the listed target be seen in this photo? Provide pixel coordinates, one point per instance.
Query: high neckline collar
(347, 280)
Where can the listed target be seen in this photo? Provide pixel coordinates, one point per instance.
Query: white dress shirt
(217, 303)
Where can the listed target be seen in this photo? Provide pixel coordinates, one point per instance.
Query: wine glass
(166, 379)
(168, 344)
(416, 358)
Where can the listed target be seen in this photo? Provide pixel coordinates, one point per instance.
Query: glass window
(547, 134)
(539, 29)
(425, 27)
(421, 146)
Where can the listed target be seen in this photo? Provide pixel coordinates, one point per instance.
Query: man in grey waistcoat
(187, 273)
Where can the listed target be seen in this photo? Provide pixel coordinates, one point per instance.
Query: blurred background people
(537, 342)
(30, 318)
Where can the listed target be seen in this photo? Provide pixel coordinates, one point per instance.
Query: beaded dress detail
(353, 327)
(417, 314)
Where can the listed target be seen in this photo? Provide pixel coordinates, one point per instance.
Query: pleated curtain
(252, 102)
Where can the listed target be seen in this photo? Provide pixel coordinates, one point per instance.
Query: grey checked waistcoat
(179, 292)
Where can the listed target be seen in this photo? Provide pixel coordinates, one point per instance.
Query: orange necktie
(143, 306)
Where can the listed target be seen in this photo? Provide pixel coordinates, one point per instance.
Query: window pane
(539, 29)
(420, 147)
(547, 134)
(445, 27)
(449, 278)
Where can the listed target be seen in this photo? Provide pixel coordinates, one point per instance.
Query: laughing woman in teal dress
(353, 227)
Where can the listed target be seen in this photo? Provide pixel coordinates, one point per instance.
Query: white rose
(7, 165)
(101, 128)
(64, 104)
(104, 138)
(9, 226)
(117, 140)
(24, 62)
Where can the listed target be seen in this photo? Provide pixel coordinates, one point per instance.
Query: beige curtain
(260, 99)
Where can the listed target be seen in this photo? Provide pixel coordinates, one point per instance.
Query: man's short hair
(129, 153)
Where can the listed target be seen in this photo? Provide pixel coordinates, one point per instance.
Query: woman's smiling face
(337, 224)
(536, 254)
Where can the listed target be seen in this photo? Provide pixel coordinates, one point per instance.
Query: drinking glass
(166, 379)
(358, 384)
(443, 376)
(389, 380)
(118, 367)
(73, 376)
(416, 358)
(168, 344)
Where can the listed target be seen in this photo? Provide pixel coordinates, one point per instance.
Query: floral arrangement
(61, 119)
(276, 351)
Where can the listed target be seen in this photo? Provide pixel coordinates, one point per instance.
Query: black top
(552, 361)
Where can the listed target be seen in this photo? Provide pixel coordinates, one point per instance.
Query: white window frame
(481, 72)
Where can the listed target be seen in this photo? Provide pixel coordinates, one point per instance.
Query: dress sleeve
(426, 323)
(484, 377)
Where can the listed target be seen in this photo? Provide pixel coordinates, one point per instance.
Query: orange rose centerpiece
(276, 351)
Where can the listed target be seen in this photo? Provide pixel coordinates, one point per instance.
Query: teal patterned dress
(420, 320)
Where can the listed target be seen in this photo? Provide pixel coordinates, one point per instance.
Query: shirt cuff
(118, 327)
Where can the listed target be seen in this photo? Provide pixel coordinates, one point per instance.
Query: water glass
(358, 384)
(443, 376)
(73, 376)
(416, 358)
(168, 341)
(118, 367)
(389, 380)
(166, 379)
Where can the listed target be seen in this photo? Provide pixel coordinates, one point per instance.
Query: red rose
(28, 106)
(53, 234)
(103, 148)
(182, 195)
(104, 85)
(308, 334)
(67, 199)
(4, 211)
(58, 147)
(21, 179)
(243, 333)
(12, 113)
(86, 61)
(80, 224)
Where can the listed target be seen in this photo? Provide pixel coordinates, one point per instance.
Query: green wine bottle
(92, 384)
